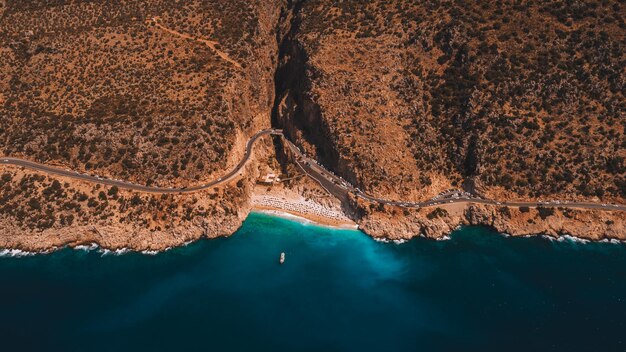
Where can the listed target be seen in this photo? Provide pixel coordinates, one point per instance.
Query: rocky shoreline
(439, 222)
(307, 200)
(17, 253)
(386, 226)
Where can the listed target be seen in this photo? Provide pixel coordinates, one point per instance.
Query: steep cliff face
(394, 223)
(295, 109)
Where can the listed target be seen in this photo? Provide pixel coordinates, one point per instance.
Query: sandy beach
(290, 204)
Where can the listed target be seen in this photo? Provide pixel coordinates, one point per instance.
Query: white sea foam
(87, 248)
(550, 238)
(386, 240)
(155, 252)
(115, 252)
(105, 252)
(15, 253)
(151, 252)
(564, 238)
(612, 241)
(122, 251)
(443, 238)
(575, 239)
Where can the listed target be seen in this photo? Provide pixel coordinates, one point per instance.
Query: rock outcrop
(439, 222)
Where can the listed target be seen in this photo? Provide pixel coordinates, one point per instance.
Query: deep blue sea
(338, 290)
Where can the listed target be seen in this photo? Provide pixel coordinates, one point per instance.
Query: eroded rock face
(114, 237)
(434, 223)
(114, 219)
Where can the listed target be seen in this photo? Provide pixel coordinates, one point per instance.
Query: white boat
(282, 257)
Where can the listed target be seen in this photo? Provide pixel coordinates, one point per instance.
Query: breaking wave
(15, 253)
(87, 248)
(115, 252)
(612, 241)
(386, 240)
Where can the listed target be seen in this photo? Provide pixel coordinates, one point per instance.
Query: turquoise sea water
(337, 291)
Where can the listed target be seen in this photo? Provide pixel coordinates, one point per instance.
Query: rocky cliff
(437, 223)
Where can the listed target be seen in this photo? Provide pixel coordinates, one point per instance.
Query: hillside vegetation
(511, 99)
(160, 93)
(99, 87)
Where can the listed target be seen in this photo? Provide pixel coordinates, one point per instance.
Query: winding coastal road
(332, 183)
(341, 188)
(136, 187)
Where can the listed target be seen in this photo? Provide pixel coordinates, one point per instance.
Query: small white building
(269, 179)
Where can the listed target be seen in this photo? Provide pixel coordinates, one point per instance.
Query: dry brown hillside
(512, 99)
(134, 89)
(155, 92)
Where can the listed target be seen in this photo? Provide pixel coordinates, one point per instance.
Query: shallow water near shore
(338, 290)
